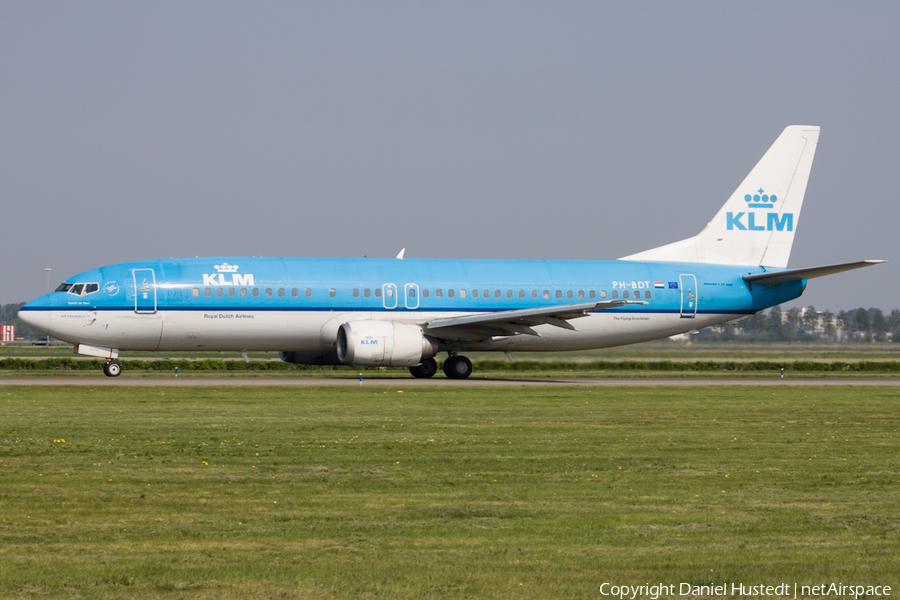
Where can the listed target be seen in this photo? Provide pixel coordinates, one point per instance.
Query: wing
(516, 322)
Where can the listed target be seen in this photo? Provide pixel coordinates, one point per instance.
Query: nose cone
(36, 314)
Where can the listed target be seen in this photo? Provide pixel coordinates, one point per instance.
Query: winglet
(402, 252)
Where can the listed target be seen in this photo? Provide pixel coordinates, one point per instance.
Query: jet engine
(383, 344)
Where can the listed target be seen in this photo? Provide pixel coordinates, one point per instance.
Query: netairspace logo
(773, 221)
(781, 590)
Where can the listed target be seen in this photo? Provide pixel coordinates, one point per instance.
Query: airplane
(404, 311)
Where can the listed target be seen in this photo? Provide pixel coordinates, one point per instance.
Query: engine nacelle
(383, 344)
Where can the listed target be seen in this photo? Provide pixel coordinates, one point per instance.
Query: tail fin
(757, 224)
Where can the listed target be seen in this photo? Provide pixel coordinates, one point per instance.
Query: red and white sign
(7, 333)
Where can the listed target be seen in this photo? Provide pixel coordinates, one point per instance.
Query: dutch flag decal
(659, 284)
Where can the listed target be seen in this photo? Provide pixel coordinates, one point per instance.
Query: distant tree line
(810, 325)
(796, 325)
(9, 316)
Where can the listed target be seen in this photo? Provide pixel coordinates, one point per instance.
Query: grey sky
(499, 129)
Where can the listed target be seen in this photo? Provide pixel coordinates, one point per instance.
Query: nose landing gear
(112, 368)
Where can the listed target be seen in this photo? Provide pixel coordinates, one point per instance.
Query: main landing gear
(112, 368)
(455, 367)
(425, 370)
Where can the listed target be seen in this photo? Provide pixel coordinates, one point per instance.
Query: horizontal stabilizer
(779, 277)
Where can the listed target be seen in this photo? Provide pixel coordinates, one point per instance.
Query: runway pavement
(442, 382)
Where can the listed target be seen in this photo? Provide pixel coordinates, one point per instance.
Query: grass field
(442, 493)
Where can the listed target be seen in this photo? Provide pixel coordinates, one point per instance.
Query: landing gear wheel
(112, 368)
(425, 370)
(457, 367)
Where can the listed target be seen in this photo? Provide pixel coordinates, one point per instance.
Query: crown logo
(226, 268)
(760, 199)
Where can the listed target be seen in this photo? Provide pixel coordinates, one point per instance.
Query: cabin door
(389, 295)
(688, 285)
(144, 291)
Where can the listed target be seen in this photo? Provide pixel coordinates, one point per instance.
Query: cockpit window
(79, 289)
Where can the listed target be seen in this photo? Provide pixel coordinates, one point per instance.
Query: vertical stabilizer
(756, 225)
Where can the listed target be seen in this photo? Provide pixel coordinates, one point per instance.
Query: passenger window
(474, 293)
(534, 293)
(295, 292)
(378, 292)
(580, 294)
(268, 292)
(462, 293)
(486, 293)
(195, 292)
(307, 292)
(569, 294)
(412, 292)
(356, 292)
(425, 293)
(509, 294)
(546, 294)
(592, 295)
(243, 292)
(231, 292)
(614, 295)
(207, 292)
(254, 292)
(281, 292)
(367, 292)
(439, 293)
(602, 294)
(451, 292)
(647, 295)
(521, 293)
(332, 292)
(220, 292)
(625, 294)
(389, 292)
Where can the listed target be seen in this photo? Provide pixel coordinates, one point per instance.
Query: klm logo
(220, 277)
(760, 200)
(369, 341)
(748, 221)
